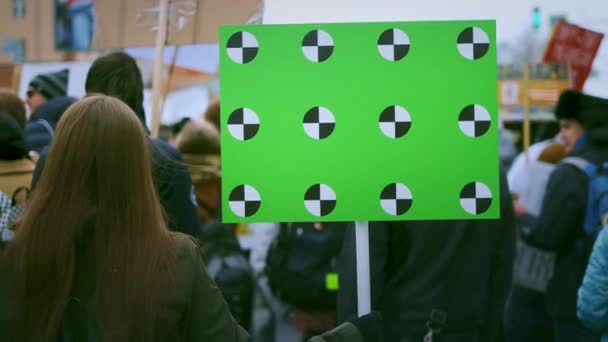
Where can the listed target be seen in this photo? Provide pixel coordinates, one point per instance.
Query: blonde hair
(199, 143)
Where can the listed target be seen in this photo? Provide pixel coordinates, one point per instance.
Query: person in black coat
(452, 275)
(559, 227)
(118, 75)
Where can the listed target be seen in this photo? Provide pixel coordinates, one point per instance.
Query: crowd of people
(111, 235)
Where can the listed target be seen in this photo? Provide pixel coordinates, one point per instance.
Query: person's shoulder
(164, 146)
(188, 246)
(535, 149)
(602, 238)
(24, 165)
(189, 262)
(33, 125)
(37, 136)
(163, 149)
(61, 102)
(568, 172)
(53, 109)
(596, 154)
(600, 252)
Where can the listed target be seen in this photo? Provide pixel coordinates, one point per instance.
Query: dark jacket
(39, 129)
(173, 183)
(559, 226)
(461, 268)
(193, 310)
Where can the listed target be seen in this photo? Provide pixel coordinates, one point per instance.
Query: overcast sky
(513, 17)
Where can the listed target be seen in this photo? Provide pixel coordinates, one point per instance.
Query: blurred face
(207, 196)
(570, 131)
(34, 100)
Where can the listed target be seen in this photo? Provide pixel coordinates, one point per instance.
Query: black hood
(12, 140)
(53, 110)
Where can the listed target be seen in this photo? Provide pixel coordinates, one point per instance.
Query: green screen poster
(362, 121)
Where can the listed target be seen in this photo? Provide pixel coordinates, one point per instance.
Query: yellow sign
(546, 82)
(540, 92)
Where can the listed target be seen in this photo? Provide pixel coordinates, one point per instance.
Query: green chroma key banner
(363, 121)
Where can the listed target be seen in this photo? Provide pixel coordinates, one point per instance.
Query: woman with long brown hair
(93, 248)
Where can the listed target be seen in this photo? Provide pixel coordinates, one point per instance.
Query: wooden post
(167, 86)
(15, 82)
(157, 85)
(526, 105)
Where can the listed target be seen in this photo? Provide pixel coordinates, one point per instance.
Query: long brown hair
(97, 175)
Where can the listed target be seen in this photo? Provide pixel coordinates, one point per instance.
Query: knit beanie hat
(51, 84)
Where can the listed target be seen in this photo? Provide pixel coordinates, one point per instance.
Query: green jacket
(204, 313)
(192, 310)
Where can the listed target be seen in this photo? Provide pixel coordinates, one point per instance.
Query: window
(14, 49)
(19, 8)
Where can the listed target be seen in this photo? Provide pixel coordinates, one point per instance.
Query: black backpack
(228, 265)
(299, 262)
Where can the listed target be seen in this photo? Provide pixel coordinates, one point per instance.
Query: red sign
(575, 46)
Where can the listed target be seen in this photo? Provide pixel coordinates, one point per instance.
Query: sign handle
(526, 127)
(157, 79)
(363, 270)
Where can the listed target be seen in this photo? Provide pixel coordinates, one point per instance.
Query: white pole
(364, 303)
(157, 85)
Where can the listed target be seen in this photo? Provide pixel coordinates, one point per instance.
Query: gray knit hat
(51, 84)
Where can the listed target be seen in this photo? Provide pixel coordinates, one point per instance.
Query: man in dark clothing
(559, 227)
(46, 99)
(118, 75)
(41, 127)
(45, 87)
(425, 271)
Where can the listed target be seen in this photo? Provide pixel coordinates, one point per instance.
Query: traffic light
(536, 18)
